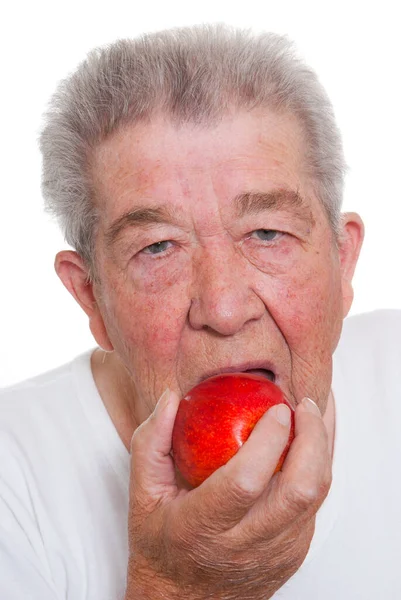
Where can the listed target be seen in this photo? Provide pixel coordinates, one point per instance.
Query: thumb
(152, 469)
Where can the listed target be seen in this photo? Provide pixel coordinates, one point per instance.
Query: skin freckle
(217, 301)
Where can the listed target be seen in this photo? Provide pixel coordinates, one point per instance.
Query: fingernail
(163, 400)
(311, 406)
(283, 414)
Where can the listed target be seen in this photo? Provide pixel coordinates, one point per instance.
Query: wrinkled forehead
(165, 163)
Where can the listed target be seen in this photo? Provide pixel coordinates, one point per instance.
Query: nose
(223, 299)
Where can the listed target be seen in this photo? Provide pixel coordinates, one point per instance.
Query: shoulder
(39, 418)
(36, 386)
(23, 404)
(44, 384)
(30, 406)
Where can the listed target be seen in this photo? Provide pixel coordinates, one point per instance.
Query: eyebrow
(245, 203)
(137, 217)
(283, 199)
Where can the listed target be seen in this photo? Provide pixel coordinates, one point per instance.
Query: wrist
(146, 584)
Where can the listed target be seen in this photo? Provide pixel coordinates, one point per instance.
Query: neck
(117, 392)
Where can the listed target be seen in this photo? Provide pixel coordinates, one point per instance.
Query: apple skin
(216, 417)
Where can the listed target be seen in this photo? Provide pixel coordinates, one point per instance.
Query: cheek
(145, 316)
(160, 323)
(308, 310)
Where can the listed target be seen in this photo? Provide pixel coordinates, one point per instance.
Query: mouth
(267, 373)
(263, 370)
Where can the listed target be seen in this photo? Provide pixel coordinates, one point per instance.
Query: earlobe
(350, 243)
(73, 273)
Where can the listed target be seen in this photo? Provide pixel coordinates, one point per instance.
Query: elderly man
(198, 175)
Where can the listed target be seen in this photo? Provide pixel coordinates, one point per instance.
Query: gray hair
(193, 74)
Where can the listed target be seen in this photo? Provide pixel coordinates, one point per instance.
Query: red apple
(216, 417)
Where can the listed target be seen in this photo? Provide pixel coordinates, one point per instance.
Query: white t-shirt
(64, 476)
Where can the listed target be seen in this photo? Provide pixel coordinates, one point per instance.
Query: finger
(152, 468)
(301, 486)
(306, 475)
(226, 496)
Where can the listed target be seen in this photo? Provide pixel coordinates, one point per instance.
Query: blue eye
(157, 248)
(266, 235)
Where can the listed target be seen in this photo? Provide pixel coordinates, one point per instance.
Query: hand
(244, 531)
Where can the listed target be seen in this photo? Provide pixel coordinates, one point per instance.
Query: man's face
(214, 254)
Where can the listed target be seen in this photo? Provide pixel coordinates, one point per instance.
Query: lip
(240, 368)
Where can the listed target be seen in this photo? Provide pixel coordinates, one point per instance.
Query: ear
(74, 274)
(350, 243)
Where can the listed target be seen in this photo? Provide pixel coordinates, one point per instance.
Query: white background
(355, 48)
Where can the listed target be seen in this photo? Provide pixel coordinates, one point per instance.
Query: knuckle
(240, 490)
(326, 484)
(301, 497)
